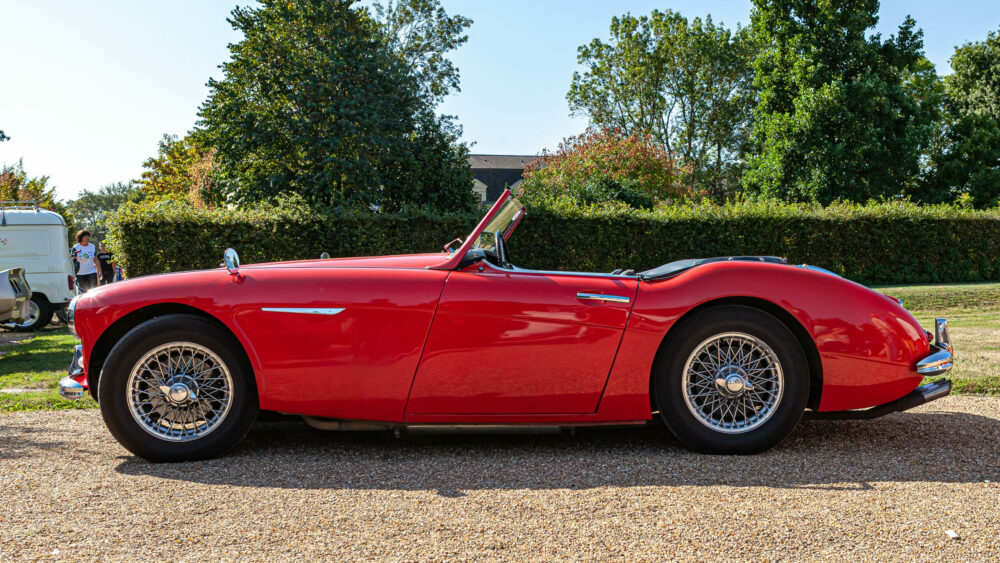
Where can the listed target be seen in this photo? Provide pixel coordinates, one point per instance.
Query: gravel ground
(877, 490)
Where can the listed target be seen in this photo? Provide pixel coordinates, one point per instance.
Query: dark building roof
(498, 171)
(505, 161)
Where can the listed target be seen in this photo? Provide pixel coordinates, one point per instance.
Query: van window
(24, 242)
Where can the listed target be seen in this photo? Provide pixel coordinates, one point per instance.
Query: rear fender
(867, 345)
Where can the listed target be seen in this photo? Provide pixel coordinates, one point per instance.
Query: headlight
(70, 313)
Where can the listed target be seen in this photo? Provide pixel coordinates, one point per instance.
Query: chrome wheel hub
(180, 391)
(732, 382)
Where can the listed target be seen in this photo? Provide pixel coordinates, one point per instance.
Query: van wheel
(39, 315)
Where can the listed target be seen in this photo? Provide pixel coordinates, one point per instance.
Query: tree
(966, 163)
(16, 185)
(316, 100)
(687, 84)
(181, 169)
(603, 165)
(926, 89)
(834, 119)
(420, 32)
(3, 137)
(969, 164)
(974, 85)
(91, 209)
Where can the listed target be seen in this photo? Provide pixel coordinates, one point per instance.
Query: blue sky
(88, 88)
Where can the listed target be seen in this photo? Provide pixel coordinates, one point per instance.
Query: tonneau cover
(673, 268)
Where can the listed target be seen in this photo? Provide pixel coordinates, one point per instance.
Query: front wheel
(177, 388)
(731, 380)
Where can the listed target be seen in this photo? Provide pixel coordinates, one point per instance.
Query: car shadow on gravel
(927, 446)
(15, 442)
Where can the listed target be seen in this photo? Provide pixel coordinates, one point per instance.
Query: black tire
(669, 381)
(113, 392)
(43, 318)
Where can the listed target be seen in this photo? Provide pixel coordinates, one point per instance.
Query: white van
(35, 239)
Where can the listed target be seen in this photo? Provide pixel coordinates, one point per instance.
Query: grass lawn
(973, 313)
(37, 362)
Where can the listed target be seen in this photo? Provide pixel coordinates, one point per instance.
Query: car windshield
(503, 223)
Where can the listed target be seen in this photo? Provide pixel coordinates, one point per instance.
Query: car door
(521, 342)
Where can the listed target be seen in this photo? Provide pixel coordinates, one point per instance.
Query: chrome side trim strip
(303, 310)
(602, 297)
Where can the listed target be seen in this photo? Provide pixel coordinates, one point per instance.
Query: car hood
(191, 286)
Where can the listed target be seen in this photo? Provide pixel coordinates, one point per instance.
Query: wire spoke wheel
(733, 382)
(180, 391)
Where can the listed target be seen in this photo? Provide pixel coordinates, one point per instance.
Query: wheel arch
(801, 335)
(121, 327)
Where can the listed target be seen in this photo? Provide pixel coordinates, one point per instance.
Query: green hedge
(890, 243)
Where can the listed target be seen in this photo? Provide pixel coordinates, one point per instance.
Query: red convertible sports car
(728, 352)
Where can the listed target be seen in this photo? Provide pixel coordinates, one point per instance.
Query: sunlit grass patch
(38, 363)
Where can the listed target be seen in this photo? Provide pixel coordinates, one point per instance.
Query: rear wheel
(39, 314)
(731, 380)
(177, 388)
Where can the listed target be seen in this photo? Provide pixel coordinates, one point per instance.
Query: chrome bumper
(70, 388)
(942, 353)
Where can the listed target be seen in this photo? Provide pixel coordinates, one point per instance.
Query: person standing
(85, 255)
(107, 264)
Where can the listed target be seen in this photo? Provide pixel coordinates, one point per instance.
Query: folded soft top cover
(673, 268)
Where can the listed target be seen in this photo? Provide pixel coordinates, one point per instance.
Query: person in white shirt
(85, 255)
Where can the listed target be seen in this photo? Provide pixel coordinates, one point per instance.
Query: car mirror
(232, 261)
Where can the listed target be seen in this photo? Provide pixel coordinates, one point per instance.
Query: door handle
(602, 297)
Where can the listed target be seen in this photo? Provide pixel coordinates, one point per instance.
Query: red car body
(421, 339)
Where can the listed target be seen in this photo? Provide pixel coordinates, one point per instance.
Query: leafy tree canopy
(17, 185)
(182, 169)
(687, 84)
(966, 161)
(318, 99)
(974, 85)
(834, 119)
(420, 32)
(91, 209)
(969, 164)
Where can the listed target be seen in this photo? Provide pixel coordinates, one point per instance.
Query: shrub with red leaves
(604, 165)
